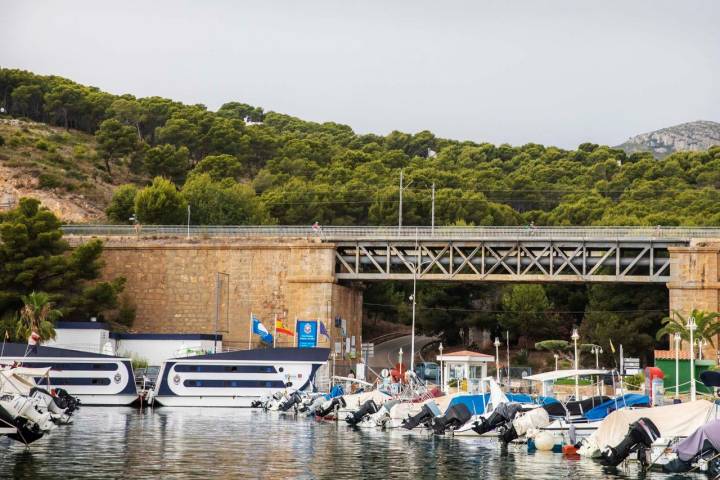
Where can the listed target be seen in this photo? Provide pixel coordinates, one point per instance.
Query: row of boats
(675, 438)
(41, 391)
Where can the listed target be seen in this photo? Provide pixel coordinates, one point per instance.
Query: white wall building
(155, 348)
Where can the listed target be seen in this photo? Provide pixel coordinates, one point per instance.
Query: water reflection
(239, 443)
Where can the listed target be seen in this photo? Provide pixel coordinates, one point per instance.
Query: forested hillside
(272, 168)
(241, 165)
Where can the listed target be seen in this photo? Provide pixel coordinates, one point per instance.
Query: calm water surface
(108, 443)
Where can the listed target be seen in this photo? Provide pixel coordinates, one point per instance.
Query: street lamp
(413, 299)
(442, 385)
(400, 354)
(677, 337)
(597, 350)
(575, 337)
(691, 326)
(497, 358)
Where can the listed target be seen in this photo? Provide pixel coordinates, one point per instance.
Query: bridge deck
(502, 254)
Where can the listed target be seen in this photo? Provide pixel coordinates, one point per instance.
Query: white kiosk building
(466, 368)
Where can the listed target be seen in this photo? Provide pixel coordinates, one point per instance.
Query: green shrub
(42, 145)
(49, 180)
(635, 382)
(2, 140)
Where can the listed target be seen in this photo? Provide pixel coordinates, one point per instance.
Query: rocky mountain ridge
(698, 135)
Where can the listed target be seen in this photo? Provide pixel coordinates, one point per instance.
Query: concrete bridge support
(695, 281)
(172, 283)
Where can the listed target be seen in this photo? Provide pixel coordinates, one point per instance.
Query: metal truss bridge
(484, 254)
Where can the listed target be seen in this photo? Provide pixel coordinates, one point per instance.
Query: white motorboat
(93, 378)
(237, 379)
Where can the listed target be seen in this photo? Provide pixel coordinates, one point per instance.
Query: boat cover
(19, 383)
(678, 420)
(710, 378)
(627, 400)
(691, 446)
(355, 400)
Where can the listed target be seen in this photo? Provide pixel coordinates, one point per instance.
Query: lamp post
(188, 223)
(597, 350)
(442, 385)
(400, 354)
(691, 326)
(677, 339)
(557, 357)
(497, 358)
(575, 337)
(413, 299)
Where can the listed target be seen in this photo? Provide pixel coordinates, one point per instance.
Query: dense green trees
(280, 169)
(35, 258)
(160, 203)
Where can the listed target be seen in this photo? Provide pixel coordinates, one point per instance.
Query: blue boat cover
(627, 400)
(337, 391)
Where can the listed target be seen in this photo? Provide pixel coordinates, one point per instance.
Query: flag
(612, 347)
(259, 329)
(323, 330)
(281, 328)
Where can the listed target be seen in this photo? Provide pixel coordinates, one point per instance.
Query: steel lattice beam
(505, 260)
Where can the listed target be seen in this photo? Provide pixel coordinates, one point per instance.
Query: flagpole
(250, 336)
(275, 336)
(296, 333)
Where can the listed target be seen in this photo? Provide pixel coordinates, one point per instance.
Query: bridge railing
(332, 233)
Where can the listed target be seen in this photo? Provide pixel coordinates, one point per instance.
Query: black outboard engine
(454, 417)
(293, 400)
(64, 400)
(367, 408)
(502, 415)
(326, 408)
(640, 437)
(424, 417)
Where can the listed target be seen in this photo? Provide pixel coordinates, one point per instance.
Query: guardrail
(405, 233)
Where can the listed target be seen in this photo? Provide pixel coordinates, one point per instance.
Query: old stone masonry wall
(173, 284)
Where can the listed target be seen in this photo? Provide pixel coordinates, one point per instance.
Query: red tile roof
(467, 353)
(670, 355)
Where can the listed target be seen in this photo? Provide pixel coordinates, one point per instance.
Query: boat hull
(236, 379)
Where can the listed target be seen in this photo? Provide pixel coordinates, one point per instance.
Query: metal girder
(502, 260)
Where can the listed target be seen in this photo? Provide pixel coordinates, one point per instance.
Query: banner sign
(307, 331)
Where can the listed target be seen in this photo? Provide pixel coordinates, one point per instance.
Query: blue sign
(307, 333)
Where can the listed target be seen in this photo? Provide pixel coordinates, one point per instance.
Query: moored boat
(237, 379)
(93, 378)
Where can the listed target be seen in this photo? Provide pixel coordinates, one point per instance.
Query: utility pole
(432, 216)
(400, 207)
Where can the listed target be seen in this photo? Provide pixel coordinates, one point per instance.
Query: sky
(556, 72)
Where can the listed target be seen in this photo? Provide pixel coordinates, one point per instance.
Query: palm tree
(37, 315)
(707, 326)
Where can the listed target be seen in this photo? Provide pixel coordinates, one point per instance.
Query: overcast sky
(551, 72)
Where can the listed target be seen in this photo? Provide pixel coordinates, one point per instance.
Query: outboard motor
(292, 401)
(640, 437)
(425, 416)
(454, 417)
(326, 408)
(502, 415)
(367, 408)
(66, 401)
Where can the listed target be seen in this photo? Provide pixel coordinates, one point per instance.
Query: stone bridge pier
(695, 281)
(173, 285)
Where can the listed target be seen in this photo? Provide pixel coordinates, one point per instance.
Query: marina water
(109, 443)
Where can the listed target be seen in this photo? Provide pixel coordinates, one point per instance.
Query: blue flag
(323, 330)
(259, 329)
